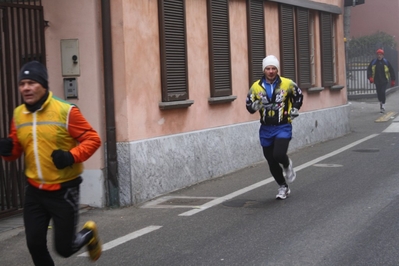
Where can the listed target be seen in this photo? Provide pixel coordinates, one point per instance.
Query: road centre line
(125, 238)
(271, 179)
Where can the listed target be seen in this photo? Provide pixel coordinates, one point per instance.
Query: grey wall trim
(311, 5)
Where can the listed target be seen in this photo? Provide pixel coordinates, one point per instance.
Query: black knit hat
(36, 71)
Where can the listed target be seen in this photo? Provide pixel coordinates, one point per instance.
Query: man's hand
(6, 146)
(392, 83)
(294, 113)
(371, 80)
(62, 159)
(256, 105)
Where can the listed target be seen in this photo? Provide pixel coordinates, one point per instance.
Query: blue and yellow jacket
(276, 107)
(380, 70)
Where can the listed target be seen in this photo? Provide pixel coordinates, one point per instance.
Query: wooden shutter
(287, 37)
(256, 39)
(173, 45)
(326, 49)
(219, 48)
(303, 50)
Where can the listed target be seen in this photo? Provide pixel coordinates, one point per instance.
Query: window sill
(224, 99)
(175, 105)
(315, 89)
(337, 87)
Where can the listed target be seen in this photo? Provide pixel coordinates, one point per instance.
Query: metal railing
(357, 61)
(22, 40)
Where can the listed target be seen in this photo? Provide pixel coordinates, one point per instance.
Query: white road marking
(157, 203)
(125, 238)
(271, 179)
(327, 165)
(392, 128)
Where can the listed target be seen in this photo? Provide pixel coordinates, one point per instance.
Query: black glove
(6, 146)
(294, 113)
(62, 159)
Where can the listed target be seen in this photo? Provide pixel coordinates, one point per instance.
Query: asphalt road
(343, 210)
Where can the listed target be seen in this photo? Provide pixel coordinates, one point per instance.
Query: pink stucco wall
(137, 73)
(75, 19)
(136, 44)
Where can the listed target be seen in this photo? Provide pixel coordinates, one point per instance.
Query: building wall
(163, 150)
(80, 20)
(373, 16)
(141, 70)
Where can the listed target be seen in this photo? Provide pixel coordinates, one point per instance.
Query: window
(219, 48)
(287, 37)
(173, 50)
(303, 42)
(327, 40)
(297, 45)
(256, 39)
(312, 48)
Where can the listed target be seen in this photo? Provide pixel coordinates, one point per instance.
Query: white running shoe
(283, 192)
(289, 172)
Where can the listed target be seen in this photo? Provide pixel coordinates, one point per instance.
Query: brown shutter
(287, 37)
(172, 31)
(256, 39)
(303, 42)
(326, 49)
(219, 48)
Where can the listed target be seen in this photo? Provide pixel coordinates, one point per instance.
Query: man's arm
(16, 150)
(253, 103)
(82, 131)
(297, 97)
(391, 72)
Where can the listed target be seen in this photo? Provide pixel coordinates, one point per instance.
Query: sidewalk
(14, 225)
(11, 226)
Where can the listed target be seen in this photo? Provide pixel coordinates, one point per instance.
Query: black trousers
(381, 87)
(275, 155)
(63, 207)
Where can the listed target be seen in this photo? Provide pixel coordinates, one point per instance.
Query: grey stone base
(153, 167)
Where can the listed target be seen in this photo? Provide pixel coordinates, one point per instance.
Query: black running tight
(275, 155)
(62, 206)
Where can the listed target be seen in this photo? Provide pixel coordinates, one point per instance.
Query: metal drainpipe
(111, 153)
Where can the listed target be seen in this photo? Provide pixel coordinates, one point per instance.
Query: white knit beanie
(270, 60)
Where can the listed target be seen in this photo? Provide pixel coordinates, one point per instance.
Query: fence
(21, 40)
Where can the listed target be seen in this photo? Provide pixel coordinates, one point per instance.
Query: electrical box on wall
(70, 57)
(71, 88)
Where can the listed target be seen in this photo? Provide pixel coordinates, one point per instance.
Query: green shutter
(287, 37)
(219, 48)
(256, 39)
(172, 30)
(303, 43)
(326, 49)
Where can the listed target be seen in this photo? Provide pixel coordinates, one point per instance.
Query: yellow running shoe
(94, 246)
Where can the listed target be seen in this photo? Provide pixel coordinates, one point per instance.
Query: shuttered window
(287, 37)
(303, 43)
(219, 47)
(327, 48)
(296, 55)
(173, 50)
(256, 39)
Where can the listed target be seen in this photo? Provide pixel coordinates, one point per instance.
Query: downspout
(112, 183)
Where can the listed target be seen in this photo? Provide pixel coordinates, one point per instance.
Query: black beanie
(36, 71)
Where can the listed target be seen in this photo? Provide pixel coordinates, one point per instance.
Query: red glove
(371, 80)
(392, 83)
